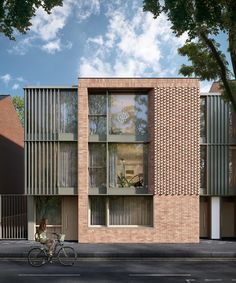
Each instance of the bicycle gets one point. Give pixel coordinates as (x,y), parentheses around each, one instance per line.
(66,255)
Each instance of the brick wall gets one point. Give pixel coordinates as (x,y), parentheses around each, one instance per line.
(176,140)
(11,149)
(10,125)
(173,162)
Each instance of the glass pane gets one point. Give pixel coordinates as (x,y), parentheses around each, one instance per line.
(128,114)
(130,211)
(97,211)
(203,166)
(68,112)
(97,126)
(50,208)
(126,165)
(97,165)
(97,104)
(203,120)
(97,177)
(232,167)
(232,125)
(68,164)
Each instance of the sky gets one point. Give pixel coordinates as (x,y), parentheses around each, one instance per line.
(96,38)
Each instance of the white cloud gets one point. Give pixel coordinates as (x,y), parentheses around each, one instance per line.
(84,9)
(15,86)
(205,86)
(47,26)
(97,40)
(6,78)
(55,46)
(52,47)
(22,46)
(12,82)
(45,32)
(95,68)
(133,45)
(20,79)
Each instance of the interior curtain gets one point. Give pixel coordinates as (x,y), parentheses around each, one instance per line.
(113,166)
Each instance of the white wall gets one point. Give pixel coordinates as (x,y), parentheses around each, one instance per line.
(215,218)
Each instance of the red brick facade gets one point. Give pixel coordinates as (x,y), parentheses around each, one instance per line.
(11,149)
(173,169)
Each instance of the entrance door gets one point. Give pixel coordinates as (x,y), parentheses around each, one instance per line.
(70,217)
(204,217)
(227,218)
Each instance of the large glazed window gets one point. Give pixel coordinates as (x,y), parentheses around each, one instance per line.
(128,114)
(130,211)
(121,211)
(118,127)
(126,165)
(68,164)
(97,165)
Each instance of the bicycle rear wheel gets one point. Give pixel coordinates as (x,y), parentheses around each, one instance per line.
(37,257)
(67,256)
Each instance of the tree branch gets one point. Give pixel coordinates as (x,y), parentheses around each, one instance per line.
(223,70)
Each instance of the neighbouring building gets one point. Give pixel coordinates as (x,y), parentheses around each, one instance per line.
(218,167)
(13,203)
(115,160)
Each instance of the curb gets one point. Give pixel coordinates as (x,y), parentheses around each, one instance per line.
(104,255)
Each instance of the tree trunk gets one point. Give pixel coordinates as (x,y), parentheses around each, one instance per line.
(222,67)
(232,48)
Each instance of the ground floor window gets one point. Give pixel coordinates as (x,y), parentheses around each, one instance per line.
(121,210)
(50,208)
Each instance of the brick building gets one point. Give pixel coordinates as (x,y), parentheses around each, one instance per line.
(121,160)
(115,160)
(13,204)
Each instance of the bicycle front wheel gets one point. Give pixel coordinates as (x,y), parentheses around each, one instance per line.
(37,257)
(67,256)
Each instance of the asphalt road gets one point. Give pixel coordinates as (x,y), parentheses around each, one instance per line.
(161,271)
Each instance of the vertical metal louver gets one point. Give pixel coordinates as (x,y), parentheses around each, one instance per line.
(220,136)
(49,113)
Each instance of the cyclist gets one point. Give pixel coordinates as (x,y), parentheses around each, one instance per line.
(42,236)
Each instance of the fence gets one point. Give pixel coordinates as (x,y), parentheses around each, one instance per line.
(13,211)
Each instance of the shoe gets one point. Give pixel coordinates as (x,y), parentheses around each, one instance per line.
(50,259)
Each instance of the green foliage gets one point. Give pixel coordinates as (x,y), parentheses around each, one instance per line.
(190,15)
(224,96)
(18,103)
(203,20)
(203,65)
(16,14)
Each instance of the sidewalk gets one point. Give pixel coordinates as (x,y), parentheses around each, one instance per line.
(205,249)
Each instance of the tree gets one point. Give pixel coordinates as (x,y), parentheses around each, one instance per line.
(203,21)
(16,14)
(18,103)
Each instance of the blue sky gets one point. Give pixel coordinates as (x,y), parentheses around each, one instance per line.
(95,38)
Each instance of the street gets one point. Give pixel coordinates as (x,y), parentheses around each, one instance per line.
(126,270)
